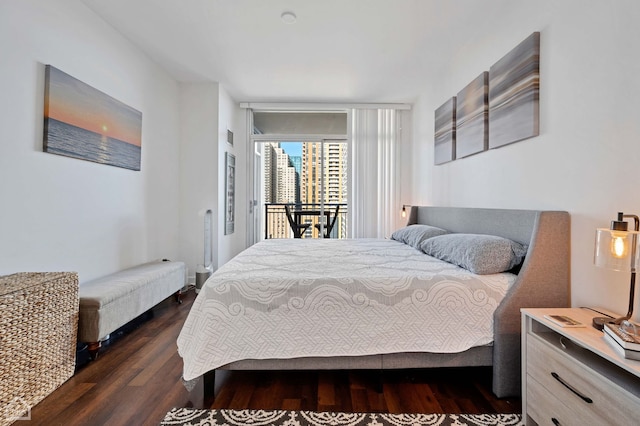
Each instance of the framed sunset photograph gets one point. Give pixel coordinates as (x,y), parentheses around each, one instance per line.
(85,123)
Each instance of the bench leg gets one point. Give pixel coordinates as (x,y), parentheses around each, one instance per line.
(93,348)
(178,296)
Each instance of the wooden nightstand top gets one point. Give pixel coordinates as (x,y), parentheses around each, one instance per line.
(587,336)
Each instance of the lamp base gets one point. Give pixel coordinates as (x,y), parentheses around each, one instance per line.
(599,322)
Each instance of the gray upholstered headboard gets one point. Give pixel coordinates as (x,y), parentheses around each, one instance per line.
(543,279)
(547,233)
(516,225)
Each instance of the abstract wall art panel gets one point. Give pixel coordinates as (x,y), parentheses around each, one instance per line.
(472,108)
(514,87)
(445,132)
(82,122)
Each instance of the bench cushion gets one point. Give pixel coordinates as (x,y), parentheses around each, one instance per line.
(110,302)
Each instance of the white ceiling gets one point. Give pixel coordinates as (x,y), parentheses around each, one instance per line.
(336,51)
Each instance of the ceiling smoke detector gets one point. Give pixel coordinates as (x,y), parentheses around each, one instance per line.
(288,17)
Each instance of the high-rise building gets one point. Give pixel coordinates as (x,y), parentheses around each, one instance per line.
(269,164)
(301,180)
(296,161)
(281,186)
(328,186)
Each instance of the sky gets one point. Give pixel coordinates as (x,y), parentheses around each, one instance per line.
(292,148)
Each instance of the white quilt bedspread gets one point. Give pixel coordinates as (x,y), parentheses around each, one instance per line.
(302,297)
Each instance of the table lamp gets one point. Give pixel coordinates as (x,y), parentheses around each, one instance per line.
(617,248)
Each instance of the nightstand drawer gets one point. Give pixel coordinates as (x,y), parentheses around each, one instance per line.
(546,409)
(577,386)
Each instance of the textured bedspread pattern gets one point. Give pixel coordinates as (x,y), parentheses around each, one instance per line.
(301,298)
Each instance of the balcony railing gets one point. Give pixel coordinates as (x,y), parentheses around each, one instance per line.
(277,224)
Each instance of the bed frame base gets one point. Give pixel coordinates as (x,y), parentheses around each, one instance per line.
(479,356)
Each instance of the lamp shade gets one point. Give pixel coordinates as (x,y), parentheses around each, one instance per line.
(616,249)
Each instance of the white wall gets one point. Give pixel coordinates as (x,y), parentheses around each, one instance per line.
(230,117)
(199,159)
(207,111)
(59,213)
(586,159)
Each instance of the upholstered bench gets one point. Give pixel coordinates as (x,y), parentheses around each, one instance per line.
(110,302)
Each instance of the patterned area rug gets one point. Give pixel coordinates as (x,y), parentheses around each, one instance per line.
(193,417)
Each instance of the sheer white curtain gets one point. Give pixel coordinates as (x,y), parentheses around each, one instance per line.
(375,155)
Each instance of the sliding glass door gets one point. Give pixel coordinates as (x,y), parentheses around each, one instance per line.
(300,173)
(300,188)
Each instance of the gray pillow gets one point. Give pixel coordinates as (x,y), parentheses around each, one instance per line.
(480,254)
(414,235)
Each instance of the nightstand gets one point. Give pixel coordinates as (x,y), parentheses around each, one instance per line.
(571,376)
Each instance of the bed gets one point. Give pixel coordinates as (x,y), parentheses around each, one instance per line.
(383,304)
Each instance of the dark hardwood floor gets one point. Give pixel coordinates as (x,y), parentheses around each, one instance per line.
(136,380)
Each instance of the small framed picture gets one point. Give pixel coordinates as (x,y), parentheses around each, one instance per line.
(564,321)
(229,208)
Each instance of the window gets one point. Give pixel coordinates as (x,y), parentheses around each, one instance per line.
(348,157)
